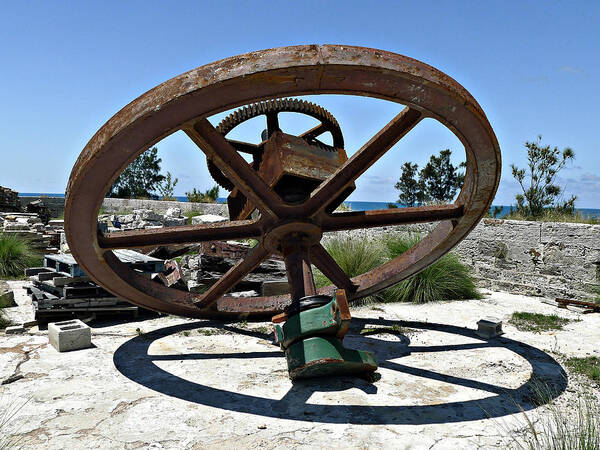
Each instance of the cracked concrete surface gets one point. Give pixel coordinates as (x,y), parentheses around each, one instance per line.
(187,384)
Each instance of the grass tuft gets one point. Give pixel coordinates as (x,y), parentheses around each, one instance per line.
(555,427)
(589,366)
(527,321)
(446,279)
(355,257)
(15,256)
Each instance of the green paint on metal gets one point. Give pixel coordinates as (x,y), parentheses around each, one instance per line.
(324,320)
(313,349)
(326,356)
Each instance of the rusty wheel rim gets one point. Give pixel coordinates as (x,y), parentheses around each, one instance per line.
(184,102)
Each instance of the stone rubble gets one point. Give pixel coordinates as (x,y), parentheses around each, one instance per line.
(42,237)
(203,269)
(149,219)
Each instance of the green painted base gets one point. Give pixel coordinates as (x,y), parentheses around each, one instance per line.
(326,356)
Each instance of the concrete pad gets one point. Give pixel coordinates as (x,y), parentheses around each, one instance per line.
(191,384)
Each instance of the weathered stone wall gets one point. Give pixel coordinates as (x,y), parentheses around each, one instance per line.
(531,258)
(114,205)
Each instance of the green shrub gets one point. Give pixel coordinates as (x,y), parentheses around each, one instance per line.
(355,257)
(210,196)
(446,279)
(15,256)
(554,215)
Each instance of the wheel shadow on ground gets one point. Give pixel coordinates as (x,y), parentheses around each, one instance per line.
(134,362)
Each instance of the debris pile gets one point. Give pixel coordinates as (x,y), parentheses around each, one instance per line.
(9,200)
(213,259)
(141,219)
(61,290)
(44,238)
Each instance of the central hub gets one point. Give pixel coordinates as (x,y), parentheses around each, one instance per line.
(291,231)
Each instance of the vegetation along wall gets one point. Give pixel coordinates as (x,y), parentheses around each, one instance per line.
(546,259)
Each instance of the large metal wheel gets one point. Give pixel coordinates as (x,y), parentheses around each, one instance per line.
(184,102)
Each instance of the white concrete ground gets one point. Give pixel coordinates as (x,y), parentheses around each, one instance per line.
(187,384)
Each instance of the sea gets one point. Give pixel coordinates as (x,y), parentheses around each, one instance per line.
(354,205)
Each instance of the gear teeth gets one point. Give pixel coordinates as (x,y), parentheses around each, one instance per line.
(276,105)
(279,105)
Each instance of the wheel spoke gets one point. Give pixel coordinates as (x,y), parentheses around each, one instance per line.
(272,123)
(180,235)
(314,132)
(382,217)
(362,160)
(245,147)
(234,167)
(330,268)
(233,276)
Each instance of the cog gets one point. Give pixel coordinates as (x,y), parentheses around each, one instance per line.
(268,107)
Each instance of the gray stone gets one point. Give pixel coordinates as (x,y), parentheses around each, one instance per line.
(173,212)
(69,335)
(127,218)
(15,226)
(147,214)
(174,221)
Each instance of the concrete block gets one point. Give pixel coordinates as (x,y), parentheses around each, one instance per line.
(69,335)
(489,327)
(15,329)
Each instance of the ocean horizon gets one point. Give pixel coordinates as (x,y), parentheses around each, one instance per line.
(355,205)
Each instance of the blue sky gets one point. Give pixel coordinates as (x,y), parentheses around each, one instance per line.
(69,66)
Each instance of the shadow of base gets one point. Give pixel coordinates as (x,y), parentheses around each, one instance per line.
(133,361)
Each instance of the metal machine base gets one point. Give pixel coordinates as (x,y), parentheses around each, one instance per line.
(312,340)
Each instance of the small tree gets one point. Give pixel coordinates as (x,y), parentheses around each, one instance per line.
(437,181)
(411,189)
(167,186)
(140,179)
(210,196)
(441,177)
(538,181)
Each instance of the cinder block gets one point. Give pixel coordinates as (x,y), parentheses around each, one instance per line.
(69,335)
(489,327)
